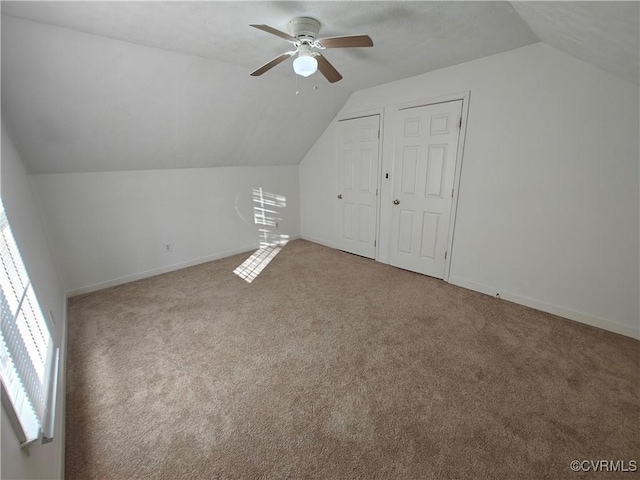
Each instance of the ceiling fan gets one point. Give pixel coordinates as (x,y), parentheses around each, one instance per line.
(304,36)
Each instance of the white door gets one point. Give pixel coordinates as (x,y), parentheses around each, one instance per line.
(424,170)
(358,184)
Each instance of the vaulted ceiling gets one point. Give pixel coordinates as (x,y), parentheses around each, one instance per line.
(104,86)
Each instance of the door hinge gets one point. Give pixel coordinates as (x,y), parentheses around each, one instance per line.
(374,243)
(378,133)
(376,192)
(460,124)
(452,193)
(445,255)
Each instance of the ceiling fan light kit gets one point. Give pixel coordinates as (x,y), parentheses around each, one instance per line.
(303,35)
(305,64)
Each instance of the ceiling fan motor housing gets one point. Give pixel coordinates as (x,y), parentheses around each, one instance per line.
(304,28)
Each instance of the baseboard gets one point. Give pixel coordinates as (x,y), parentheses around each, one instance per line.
(326,243)
(545,307)
(170,268)
(320,241)
(159,271)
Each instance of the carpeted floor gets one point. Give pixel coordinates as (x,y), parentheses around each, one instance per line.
(332,366)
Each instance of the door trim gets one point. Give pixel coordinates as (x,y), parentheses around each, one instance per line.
(464,96)
(370,113)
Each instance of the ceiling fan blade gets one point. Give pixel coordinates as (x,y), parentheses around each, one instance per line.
(273,31)
(346,41)
(269,65)
(327,69)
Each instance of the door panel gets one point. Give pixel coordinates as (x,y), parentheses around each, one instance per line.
(365,171)
(409,164)
(424,170)
(406,231)
(363,224)
(347,177)
(429,234)
(358,154)
(435,170)
(347,223)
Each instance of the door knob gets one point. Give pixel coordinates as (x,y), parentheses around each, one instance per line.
(340,196)
(396,202)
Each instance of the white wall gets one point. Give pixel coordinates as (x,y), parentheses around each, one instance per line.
(318,190)
(43,461)
(548,206)
(111,227)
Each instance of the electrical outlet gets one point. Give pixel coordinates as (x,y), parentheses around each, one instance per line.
(277,225)
(168,248)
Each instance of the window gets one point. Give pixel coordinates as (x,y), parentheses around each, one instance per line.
(26,345)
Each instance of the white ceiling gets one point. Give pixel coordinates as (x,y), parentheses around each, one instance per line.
(605,34)
(78,102)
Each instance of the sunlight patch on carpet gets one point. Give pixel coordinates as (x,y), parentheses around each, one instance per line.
(253,265)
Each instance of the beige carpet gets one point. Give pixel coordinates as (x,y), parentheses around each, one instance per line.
(332,366)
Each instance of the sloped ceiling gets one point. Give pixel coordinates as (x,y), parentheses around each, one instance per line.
(605,34)
(103,86)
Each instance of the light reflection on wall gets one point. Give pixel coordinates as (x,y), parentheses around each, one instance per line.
(266,214)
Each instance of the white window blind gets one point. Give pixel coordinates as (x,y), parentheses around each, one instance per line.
(26,345)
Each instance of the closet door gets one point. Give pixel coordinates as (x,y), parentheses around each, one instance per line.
(424,172)
(358,146)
